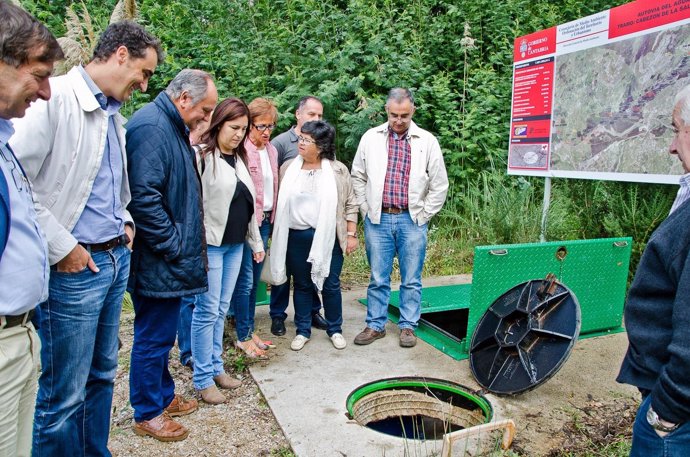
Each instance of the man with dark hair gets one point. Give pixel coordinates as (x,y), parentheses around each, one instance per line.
(169,259)
(400,183)
(309,108)
(657,319)
(72,148)
(27,53)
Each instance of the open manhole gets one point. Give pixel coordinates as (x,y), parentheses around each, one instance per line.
(417,408)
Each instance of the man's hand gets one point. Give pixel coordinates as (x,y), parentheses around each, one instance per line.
(78,259)
(259,256)
(129,231)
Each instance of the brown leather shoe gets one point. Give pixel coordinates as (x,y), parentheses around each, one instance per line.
(212,395)
(161,428)
(181,407)
(368,336)
(225,381)
(407,338)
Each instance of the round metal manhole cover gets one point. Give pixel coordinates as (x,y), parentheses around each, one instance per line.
(417,408)
(525,336)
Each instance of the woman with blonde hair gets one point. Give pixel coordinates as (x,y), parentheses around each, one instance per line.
(262,161)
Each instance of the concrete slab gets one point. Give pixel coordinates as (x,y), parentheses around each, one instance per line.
(307,390)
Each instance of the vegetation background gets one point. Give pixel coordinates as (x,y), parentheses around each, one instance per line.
(455,54)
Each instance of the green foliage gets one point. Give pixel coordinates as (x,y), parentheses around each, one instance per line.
(457,56)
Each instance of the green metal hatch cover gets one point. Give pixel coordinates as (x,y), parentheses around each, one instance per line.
(525,337)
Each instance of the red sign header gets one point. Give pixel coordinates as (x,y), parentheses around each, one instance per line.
(536,44)
(646,14)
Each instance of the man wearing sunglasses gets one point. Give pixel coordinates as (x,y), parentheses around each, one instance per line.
(27,53)
(309,108)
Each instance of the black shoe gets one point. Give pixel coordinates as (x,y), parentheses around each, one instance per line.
(317,321)
(278,326)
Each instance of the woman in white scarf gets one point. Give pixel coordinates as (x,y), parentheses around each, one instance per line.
(315,222)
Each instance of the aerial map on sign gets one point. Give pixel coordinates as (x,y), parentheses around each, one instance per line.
(593,98)
(611,109)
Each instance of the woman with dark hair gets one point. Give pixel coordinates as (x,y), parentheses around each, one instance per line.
(315,222)
(262,163)
(227,189)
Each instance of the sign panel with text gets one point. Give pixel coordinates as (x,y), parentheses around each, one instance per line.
(593,98)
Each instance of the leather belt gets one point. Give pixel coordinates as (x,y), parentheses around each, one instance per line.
(13,321)
(121,240)
(393,210)
(266,215)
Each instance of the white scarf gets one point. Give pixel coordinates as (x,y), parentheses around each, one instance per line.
(324,236)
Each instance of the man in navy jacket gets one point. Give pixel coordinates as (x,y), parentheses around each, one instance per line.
(169,254)
(657,319)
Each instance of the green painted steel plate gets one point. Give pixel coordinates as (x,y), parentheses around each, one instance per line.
(595,270)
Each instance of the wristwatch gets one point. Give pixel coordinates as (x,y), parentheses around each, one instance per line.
(658,423)
(352,234)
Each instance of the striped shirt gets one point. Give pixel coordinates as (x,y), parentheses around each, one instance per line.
(398,171)
(683,193)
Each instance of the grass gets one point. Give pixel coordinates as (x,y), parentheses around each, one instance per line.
(282,452)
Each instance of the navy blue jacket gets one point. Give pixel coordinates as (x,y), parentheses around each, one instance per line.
(657,319)
(169,256)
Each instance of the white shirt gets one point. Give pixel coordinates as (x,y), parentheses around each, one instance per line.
(305,202)
(683,192)
(267,173)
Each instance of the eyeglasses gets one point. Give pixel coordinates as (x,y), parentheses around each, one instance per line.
(304,140)
(262,127)
(18,176)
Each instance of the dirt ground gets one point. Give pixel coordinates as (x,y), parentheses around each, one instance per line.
(581,411)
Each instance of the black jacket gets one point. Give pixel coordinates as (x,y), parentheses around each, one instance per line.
(169,256)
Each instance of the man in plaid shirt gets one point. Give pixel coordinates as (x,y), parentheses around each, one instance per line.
(400,183)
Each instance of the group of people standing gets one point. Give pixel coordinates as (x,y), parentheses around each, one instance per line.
(91,209)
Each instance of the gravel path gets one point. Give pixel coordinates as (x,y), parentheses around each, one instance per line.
(244,426)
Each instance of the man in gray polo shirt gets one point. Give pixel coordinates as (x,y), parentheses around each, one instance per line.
(309,108)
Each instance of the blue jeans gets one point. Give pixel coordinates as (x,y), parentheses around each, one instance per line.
(208,320)
(79,327)
(396,234)
(244,297)
(184,328)
(299,244)
(646,443)
(280,297)
(151,388)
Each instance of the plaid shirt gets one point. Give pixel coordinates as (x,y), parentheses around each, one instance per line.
(398,171)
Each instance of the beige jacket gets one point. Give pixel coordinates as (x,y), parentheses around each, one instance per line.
(60,144)
(428,184)
(218,183)
(347,205)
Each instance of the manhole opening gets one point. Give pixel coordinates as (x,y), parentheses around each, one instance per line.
(417,408)
(452,323)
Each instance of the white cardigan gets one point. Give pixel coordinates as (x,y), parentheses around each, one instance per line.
(218,183)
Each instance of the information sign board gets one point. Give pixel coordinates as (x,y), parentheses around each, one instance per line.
(593,98)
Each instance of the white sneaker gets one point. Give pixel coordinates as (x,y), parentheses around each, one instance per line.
(338,341)
(299,342)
